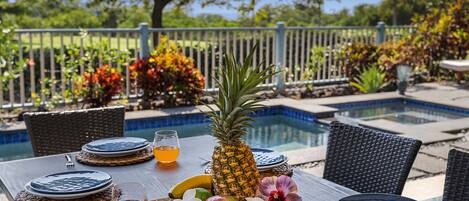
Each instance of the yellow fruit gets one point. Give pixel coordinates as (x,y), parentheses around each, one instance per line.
(198,181)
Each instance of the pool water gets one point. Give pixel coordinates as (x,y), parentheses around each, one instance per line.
(277,132)
(402,112)
(15,151)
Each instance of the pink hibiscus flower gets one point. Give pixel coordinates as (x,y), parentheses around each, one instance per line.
(281,188)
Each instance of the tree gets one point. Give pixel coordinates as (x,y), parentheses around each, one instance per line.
(109,10)
(311,8)
(158,7)
(48,13)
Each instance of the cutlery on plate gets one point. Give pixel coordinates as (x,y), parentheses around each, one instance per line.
(69,162)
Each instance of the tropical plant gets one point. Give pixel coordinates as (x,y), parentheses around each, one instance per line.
(392,54)
(355,57)
(370,80)
(100,86)
(317,58)
(234,170)
(79,65)
(169,75)
(10,64)
(54,98)
(442,34)
(78,61)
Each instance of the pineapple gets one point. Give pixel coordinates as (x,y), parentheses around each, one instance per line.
(234,170)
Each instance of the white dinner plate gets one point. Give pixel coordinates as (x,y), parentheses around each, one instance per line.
(28,189)
(116,153)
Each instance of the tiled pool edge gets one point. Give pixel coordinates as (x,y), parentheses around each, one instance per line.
(413,101)
(132,124)
(197,118)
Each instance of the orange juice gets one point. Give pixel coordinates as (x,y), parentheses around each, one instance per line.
(166,154)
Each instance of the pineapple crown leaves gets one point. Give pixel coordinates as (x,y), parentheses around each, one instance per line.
(237,96)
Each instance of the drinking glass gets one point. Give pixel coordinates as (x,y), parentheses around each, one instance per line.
(166,146)
(130,191)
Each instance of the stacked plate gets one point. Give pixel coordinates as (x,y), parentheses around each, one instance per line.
(69,185)
(267,159)
(115,147)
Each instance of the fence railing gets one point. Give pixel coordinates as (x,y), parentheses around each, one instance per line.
(294,49)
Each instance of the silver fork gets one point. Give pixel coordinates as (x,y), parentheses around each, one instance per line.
(69,162)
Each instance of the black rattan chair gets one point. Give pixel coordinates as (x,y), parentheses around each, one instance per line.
(457,176)
(61,132)
(369,161)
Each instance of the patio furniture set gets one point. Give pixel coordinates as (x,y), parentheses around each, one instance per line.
(358,160)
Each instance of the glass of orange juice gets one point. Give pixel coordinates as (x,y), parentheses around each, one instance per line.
(166,146)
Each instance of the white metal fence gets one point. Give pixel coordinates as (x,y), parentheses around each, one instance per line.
(286,47)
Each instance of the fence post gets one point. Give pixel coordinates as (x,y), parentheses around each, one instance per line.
(279,52)
(380,32)
(143,30)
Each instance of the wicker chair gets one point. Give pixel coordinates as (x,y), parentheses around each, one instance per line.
(61,132)
(368,161)
(457,176)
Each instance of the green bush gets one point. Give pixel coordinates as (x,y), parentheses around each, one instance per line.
(10,64)
(370,80)
(356,57)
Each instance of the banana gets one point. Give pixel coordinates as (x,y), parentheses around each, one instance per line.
(198,181)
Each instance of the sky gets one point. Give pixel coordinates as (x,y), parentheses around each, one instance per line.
(330,6)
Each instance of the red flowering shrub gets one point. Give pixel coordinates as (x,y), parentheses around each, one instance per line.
(168,75)
(100,86)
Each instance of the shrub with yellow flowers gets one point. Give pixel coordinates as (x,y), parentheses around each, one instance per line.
(168,75)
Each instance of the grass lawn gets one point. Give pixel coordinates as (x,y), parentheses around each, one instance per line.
(115,42)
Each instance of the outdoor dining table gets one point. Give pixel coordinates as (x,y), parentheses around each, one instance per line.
(157,179)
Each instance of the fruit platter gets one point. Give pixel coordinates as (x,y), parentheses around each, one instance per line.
(200,188)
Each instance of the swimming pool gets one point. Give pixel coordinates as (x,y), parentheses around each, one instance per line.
(279,128)
(400,110)
(275,132)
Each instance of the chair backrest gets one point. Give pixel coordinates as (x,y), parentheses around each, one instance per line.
(457,176)
(61,132)
(369,161)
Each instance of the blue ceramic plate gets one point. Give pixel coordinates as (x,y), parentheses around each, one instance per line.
(267,157)
(375,197)
(116,144)
(71,182)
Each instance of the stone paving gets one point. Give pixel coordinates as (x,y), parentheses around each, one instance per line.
(426,178)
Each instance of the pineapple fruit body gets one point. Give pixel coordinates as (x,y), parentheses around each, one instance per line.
(234,171)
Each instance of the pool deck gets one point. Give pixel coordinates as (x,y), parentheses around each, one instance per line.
(426,179)
(428,169)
